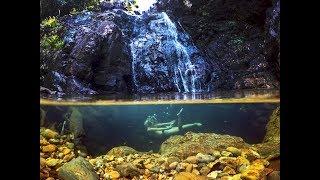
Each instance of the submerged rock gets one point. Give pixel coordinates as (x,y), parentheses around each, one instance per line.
(49,134)
(49,148)
(273,127)
(121,151)
(275,175)
(188,176)
(193,143)
(79,169)
(271,143)
(204,158)
(128,170)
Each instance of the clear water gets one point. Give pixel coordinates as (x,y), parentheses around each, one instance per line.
(114,125)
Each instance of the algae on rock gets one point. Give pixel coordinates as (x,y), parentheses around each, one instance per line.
(193,143)
(270,147)
(121,151)
(273,127)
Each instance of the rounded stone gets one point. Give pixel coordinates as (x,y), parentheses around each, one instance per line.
(173,165)
(49,148)
(192,159)
(49,134)
(189,168)
(114,174)
(51,162)
(234,151)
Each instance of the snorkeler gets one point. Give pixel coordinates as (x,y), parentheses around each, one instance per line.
(164,129)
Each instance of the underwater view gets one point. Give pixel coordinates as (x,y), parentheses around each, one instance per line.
(159,89)
(160,141)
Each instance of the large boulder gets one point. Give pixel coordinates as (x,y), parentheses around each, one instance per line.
(270,147)
(193,143)
(77,169)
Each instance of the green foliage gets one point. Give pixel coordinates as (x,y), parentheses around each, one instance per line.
(237,40)
(50,22)
(92,5)
(50,29)
(73,11)
(53,42)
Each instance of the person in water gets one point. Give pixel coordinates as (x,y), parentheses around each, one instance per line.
(169,128)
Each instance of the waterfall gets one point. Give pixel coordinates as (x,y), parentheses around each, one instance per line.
(161,56)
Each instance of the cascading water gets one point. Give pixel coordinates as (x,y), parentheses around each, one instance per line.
(103,46)
(161,56)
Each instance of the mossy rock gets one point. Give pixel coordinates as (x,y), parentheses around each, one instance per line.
(193,143)
(273,127)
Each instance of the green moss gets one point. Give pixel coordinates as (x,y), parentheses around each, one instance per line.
(53,42)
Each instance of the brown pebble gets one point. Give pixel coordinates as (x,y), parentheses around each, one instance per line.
(43,142)
(275,175)
(173,165)
(205,170)
(49,148)
(229,170)
(66,151)
(68,157)
(192,159)
(114,174)
(42,162)
(189,168)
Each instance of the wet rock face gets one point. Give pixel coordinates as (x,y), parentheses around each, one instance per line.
(233,34)
(78,168)
(193,143)
(59,7)
(94,58)
(273,37)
